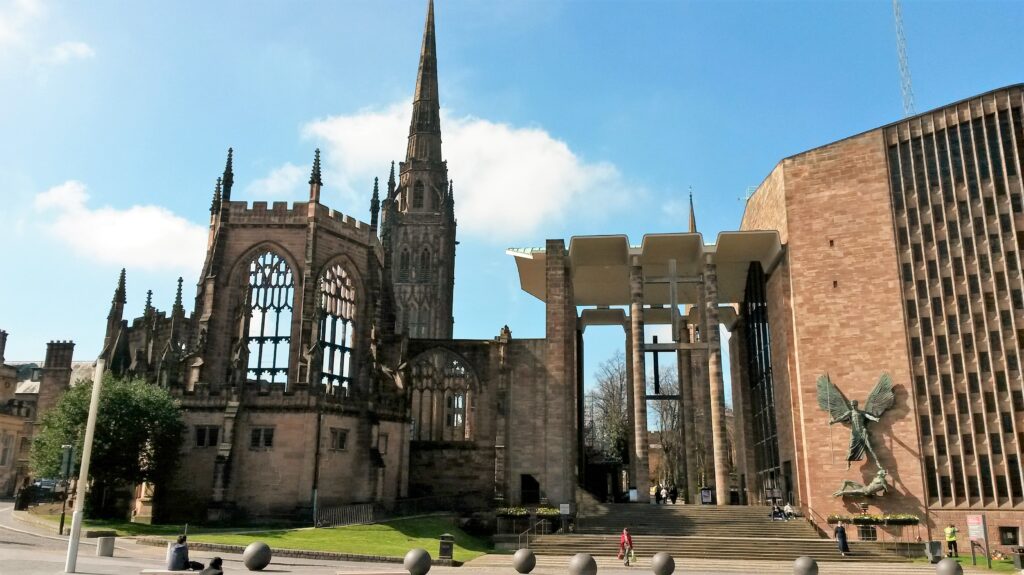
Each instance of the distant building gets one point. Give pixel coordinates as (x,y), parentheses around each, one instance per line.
(22,404)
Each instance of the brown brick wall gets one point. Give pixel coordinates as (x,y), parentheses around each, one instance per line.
(836,308)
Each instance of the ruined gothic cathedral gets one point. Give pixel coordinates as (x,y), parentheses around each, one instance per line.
(318,366)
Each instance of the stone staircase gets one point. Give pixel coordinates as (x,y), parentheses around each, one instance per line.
(703,532)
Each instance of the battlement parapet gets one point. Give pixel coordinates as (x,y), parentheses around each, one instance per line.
(260,213)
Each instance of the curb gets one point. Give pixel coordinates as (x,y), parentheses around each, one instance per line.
(295,553)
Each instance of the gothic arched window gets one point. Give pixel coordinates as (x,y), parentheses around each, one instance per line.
(338,309)
(417,195)
(441,392)
(271,290)
(423,269)
(404,266)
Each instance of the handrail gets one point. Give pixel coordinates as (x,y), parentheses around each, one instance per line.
(807,513)
(527,533)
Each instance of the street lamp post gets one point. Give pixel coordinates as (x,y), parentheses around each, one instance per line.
(83,474)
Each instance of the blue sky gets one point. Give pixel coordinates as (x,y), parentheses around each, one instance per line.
(560,119)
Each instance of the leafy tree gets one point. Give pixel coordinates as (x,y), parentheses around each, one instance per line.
(137,439)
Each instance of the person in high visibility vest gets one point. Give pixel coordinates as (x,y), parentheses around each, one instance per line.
(951,550)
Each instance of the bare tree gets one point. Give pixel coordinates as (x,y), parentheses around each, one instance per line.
(606,414)
(667,421)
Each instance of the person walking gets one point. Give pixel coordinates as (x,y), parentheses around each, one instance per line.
(664,495)
(951,533)
(657,494)
(673,494)
(840,534)
(626,547)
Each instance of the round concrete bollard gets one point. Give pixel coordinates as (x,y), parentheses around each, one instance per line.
(256,556)
(417,561)
(948,566)
(104,546)
(524,561)
(805,566)
(582,564)
(663,564)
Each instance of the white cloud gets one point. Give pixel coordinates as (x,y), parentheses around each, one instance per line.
(16,17)
(509,180)
(283,183)
(68,51)
(146,237)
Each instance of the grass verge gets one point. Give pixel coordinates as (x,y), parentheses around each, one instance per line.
(390,539)
(1000,566)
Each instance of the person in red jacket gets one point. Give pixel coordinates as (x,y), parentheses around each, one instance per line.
(625,546)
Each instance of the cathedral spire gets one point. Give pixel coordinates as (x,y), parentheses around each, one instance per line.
(425,128)
(693,218)
(374,206)
(228,177)
(149,303)
(215,205)
(315,181)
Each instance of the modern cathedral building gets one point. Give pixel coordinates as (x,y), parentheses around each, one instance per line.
(318,366)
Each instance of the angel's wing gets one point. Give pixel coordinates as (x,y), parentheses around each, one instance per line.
(831,399)
(881,397)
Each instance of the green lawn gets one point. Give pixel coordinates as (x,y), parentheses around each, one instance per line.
(1003,566)
(391,539)
(129,529)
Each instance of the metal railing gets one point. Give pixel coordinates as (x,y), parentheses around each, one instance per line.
(338,515)
(363,513)
(541,527)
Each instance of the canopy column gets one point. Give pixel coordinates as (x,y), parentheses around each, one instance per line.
(719,435)
(639,384)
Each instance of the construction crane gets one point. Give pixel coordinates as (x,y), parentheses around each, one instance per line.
(901,49)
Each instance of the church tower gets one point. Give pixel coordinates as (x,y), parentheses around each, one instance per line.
(419,215)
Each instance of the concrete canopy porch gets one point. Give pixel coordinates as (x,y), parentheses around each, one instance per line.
(605,273)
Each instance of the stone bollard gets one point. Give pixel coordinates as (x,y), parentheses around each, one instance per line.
(582,564)
(805,566)
(417,561)
(105,546)
(663,564)
(948,566)
(256,556)
(524,561)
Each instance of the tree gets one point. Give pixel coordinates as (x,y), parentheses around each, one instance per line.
(138,435)
(607,414)
(668,422)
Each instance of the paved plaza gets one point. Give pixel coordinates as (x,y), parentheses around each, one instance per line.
(26,550)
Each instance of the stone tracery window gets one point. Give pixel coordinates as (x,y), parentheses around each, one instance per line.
(417,195)
(271,292)
(404,266)
(442,392)
(338,310)
(423,269)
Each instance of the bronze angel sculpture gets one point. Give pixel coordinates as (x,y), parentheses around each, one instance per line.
(832,400)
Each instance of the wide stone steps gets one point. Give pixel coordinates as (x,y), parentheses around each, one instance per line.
(721,566)
(704,532)
(713,548)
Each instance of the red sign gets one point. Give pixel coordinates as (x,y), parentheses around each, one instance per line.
(976,528)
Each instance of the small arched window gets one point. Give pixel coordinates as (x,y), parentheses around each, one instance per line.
(404,266)
(417,195)
(338,307)
(423,269)
(271,291)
